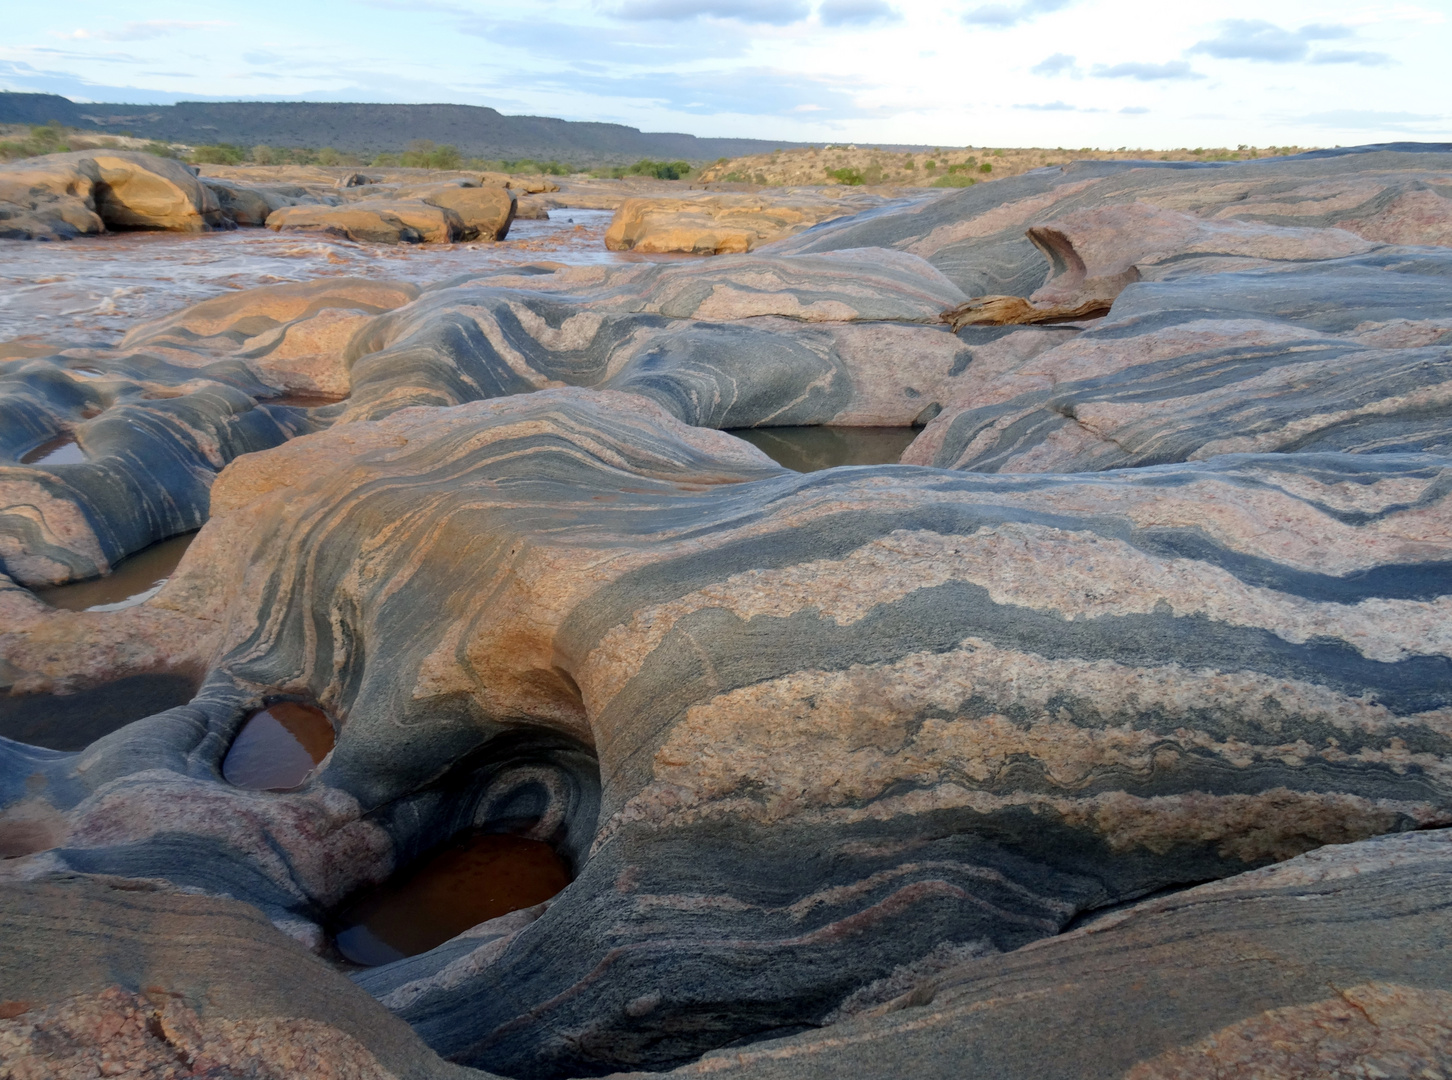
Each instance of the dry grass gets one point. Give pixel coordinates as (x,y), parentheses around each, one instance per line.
(947,167)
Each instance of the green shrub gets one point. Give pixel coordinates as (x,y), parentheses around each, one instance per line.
(986,167)
(217,154)
(424,154)
(954,180)
(851,177)
(159,149)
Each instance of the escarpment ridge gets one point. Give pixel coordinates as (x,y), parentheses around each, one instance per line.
(1105,735)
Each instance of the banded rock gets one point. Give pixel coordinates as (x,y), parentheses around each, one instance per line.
(106,977)
(1341,354)
(293,335)
(1330,965)
(976,236)
(152,437)
(845,723)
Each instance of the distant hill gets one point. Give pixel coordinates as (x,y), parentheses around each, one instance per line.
(372,129)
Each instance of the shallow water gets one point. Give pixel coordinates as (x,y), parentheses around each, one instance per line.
(809,449)
(62,450)
(278,747)
(474,878)
(135,580)
(92,290)
(74,721)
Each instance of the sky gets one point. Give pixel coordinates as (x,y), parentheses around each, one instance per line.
(1056,73)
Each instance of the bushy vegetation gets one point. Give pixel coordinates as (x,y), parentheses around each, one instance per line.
(851,177)
(48,138)
(661,170)
(520,166)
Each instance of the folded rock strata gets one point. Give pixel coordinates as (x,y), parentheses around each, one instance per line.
(1333,964)
(839,719)
(152,438)
(1347,354)
(977,236)
(851,749)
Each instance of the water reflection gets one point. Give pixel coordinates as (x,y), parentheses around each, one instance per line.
(809,449)
(472,879)
(278,747)
(62,450)
(134,580)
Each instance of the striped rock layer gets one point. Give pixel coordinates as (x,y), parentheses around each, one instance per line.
(1173,606)
(794,732)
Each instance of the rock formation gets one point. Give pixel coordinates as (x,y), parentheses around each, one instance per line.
(715,224)
(64,195)
(869,769)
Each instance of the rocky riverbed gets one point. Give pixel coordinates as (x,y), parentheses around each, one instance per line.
(1087,713)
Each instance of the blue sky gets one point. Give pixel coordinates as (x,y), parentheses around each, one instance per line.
(1108,73)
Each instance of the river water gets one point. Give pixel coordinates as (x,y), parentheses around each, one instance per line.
(92,290)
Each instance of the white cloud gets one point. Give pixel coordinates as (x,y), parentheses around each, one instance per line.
(1174,69)
(1256,39)
(140,31)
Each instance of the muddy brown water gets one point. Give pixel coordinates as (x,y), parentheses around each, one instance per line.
(91,290)
(135,580)
(810,449)
(475,877)
(278,747)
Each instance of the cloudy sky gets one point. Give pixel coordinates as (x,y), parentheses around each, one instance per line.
(1071,73)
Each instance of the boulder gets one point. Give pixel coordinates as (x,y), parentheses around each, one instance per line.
(62,195)
(799,737)
(380,221)
(485,211)
(716,224)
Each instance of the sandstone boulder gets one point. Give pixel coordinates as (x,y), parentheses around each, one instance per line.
(380,221)
(485,211)
(62,195)
(716,224)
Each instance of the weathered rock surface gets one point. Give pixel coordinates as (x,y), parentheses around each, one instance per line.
(858,749)
(63,195)
(1331,965)
(976,235)
(485,211)
(853,339)
(840,720)
(152,437)
(716,224)
(111,978)
(294,336)
(1347,354)
(381,221)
